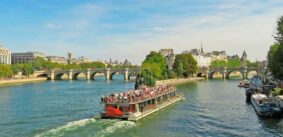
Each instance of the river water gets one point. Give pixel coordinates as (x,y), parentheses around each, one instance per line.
(65,108)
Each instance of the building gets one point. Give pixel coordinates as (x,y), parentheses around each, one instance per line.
(81,60)
(57,59)
(244,56)
(5,56)
(203,59)
(218,55)
(26,57)
(236,57)
(169,55)
(127,63)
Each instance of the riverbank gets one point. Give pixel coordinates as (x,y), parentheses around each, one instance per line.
(18,81)
(177,81)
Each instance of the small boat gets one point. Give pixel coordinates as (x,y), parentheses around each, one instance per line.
(264,106)
(136,104)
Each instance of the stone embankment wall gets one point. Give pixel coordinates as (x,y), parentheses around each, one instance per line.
(176,81)
(26,80)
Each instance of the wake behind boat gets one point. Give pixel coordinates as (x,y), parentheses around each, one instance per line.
(136,104)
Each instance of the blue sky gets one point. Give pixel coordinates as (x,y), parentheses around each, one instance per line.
(103,29)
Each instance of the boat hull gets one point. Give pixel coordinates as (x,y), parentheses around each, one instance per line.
(264,112)
(139,115)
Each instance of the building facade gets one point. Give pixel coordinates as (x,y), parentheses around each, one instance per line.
(5,56)
(81,60)
(203,59)
(26,57)
(169,55)
(57,59)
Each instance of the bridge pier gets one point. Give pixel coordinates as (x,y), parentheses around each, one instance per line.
(224,73)
(52,75)
(71,74)
(88,74)
(108,74)
(126,74)
(245,73)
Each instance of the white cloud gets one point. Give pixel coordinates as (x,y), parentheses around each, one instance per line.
(234,27)
(51,26)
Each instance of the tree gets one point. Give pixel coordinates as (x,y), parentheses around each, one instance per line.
(279,31)
(5,71)
(145,77)
(178,68)
(275,54)
(156,64)
(270,56)
(234,63)
(185,65)
(39,63)
(171,74)
(218,63)
(27,69)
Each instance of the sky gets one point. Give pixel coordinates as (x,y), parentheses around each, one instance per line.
(130,29)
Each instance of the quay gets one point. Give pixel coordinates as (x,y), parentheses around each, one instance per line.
(23,80)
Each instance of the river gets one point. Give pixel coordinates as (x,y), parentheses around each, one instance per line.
(65,108)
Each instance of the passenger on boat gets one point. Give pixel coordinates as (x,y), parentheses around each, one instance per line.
(136,95)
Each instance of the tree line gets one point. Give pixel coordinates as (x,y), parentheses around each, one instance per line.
(155,67)
(233,63)
(275,54)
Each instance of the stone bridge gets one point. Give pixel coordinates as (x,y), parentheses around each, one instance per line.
(225,72)
(89,73)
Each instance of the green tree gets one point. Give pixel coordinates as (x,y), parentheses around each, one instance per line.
(5,71)
(219,63)
(234,63)
(185,65)
(145,77)
(178,68)
(275,54)
(27,70)
(39,63)
(270,56)
(171,74)
(156,64)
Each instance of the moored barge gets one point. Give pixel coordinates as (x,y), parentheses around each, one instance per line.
(136,104)
(264,106)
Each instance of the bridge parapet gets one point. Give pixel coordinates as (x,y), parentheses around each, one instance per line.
(90,73)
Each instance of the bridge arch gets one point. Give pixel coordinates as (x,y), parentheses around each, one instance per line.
(228,74)
(214,72)
(44,75)
(59,76)
(201,74)
(251,73)
(93,74)
(76,75)
(132,74)
(115,72)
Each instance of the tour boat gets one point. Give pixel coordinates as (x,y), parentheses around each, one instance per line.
(136,104)
(264,106)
